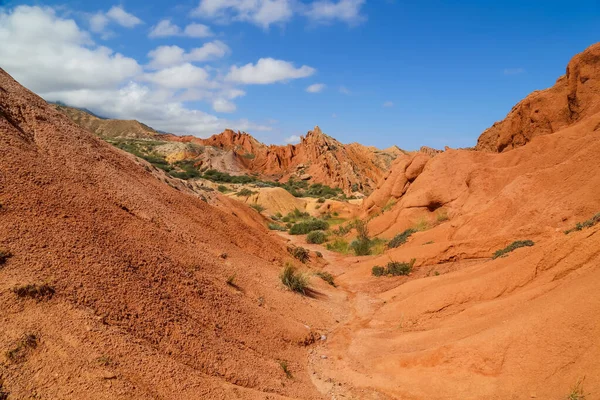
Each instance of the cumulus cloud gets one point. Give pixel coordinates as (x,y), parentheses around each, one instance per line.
(266,71)
(140,102)
(180,77)
(292,139)
(348,11)
(122,17)
(53,57)
(259,12)
(388,104)
(165,56)
(315,88)
(197,31)
(223,106)
(48,53)
(165,28)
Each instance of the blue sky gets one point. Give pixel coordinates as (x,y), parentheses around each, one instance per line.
(383,72)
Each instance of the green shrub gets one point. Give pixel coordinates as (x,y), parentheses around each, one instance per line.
(26,344)
(34,291)
(222,189)
(401,238)
(396,268)
(319,254)
(257,207)
(316,237)
(585,224)
(511,247)
(321,200)
(4,255)
(294,280)
(277,227)
(249,156)
(299,253)
(339,245)
(245,193)
(361,247)
(302,228)
(218,176)
(327,277)
(284,367)
(442,216)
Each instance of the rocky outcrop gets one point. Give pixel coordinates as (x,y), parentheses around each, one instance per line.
(572,98)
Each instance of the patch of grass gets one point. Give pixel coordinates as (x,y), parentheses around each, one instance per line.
(299,253)
(222,189)
(315,237)
(378,246)
(231,280)
(394,268)
(245,192)
(339,245)
(34,291)
(277,227)
(321,200)
(302,228)
(390,204)
(442,216)
(585,224)
(105,361)
(4,255)
(249,156)
(284,367)
(327,277)
(577,392)
(401,238)
(512,247)
(422,224)
(218,176)
(319,254)
(257,207)
(294,280)
(362,244)
(27,342)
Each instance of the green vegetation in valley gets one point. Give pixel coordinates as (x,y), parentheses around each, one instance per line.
(294,280)
(394,268)
(512,247)
(585,224)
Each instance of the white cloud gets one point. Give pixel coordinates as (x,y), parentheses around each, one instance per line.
(388,104)
(209,51)
(198,31)
(265,13)
(98,22)
(164,29)
(292,139)
(348,11)
(514,71)
(165,56)
(315,88)
(266,71)
(345,90)
(53,57)
(143,104)
(180,77)
(223,106)
(259,12)
(47,53)
(122,17)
